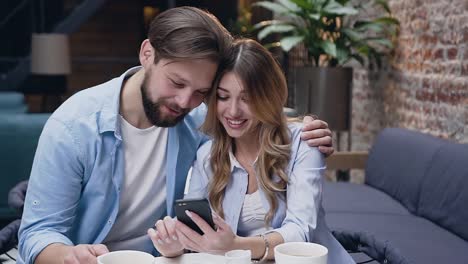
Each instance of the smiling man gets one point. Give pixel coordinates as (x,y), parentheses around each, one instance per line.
(113,158)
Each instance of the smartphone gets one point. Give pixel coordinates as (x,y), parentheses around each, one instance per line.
(199,206)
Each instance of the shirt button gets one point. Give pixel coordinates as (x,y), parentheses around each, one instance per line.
(109,222)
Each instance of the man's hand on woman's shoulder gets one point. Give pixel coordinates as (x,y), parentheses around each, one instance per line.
(317,134)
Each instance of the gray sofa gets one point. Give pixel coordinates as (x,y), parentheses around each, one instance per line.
(415,197)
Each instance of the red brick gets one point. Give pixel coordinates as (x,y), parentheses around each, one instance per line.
(420,13)
(464,71)
(452,38)
(419,25)
(426,82)
(426,54)
(465,36)
(438,54)
(452,53)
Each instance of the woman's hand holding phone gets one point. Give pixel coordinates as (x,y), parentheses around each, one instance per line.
(212,241)
(165,238)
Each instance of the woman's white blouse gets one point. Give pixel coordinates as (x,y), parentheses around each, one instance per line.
(299,216)
(252,216)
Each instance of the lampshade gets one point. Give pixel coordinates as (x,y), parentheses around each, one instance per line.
(50,54)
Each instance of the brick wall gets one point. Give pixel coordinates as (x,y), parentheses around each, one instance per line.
(425,86)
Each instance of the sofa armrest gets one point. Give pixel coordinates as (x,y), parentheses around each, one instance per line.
(344,160)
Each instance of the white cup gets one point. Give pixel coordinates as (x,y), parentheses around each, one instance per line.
(238,256)
(300,253)
(126,257)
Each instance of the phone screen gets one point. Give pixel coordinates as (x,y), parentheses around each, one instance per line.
(199,206)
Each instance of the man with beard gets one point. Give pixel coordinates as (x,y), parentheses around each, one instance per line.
(113,158)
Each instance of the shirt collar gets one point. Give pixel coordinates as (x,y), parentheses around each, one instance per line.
(235,163)
(109,120)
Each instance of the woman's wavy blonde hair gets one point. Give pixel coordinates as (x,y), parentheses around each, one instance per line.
(265,85)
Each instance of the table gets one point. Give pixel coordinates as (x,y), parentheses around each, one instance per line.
(195,258)
(190,258)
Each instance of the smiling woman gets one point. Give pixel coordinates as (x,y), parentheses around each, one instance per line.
(233,108)
(262,181)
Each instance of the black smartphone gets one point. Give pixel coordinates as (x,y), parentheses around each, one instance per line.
(199,206)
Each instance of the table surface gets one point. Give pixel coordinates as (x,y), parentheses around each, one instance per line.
(191,258)
(194,258)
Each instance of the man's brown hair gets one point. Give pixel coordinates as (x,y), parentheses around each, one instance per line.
(188,33)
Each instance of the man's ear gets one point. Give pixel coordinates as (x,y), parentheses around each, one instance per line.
(146,54)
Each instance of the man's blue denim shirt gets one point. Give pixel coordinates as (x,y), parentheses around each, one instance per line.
(73,193)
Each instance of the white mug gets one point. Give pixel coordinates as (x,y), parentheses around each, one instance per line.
(238,256)
(300,253)
(126,257)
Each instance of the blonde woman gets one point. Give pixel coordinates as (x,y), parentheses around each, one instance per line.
(262,181)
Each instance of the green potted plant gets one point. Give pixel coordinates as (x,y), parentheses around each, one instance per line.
(331,36)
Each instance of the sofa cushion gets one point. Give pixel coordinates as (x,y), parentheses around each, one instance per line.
(19,134)
(398,162)
(12,102)
(444,192)
(350,197)
(11,99)
(417,239)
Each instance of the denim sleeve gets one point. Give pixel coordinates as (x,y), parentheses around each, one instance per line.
(304,195)
(198,184)
(53,192)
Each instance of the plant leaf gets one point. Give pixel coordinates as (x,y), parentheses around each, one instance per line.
(274,7)
(314,16)
(376,56)
(272,45)
(274,29)
(384,4)
(288,43)
(359,58)
(268,23)
(342,55)
(289,5)
(368,25)
(364,50)
(382,41)
(387,20)
(318,3)
(304,4)
(334,7)
(353,35)
(329,48)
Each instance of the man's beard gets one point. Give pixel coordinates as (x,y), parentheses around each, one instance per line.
(153,110)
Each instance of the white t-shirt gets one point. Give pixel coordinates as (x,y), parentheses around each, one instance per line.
(252,216)
(143,193)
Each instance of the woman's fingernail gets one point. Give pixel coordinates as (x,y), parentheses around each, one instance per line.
(160,241)
(174,237)
(168,240)
(188,213)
